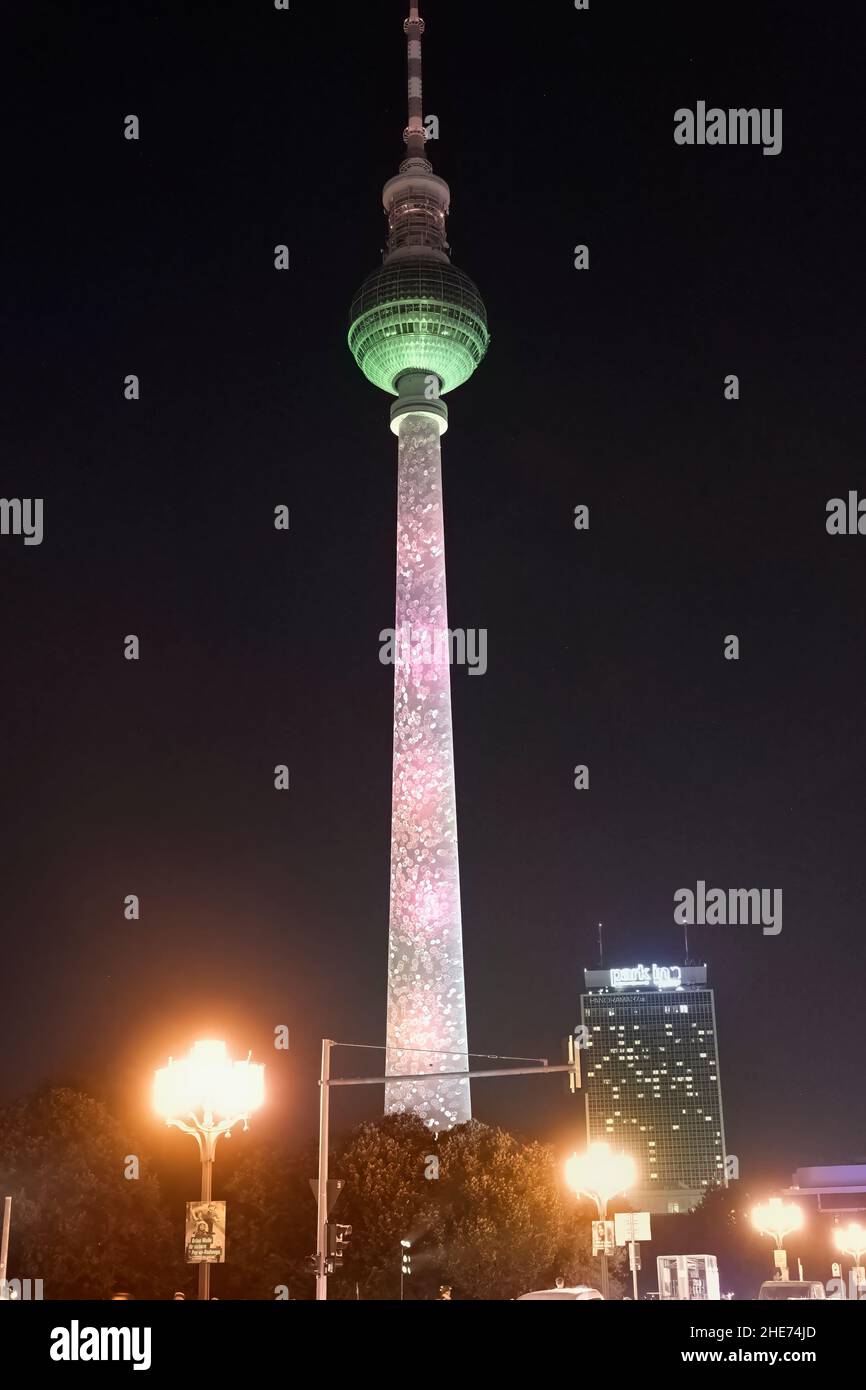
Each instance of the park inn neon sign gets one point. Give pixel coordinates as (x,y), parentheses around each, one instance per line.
(662,976)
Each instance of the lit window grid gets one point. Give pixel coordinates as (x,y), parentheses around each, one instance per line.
(652,1083)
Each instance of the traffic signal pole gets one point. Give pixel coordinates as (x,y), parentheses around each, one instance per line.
(326,1081)
(4,1243)
(322,1189)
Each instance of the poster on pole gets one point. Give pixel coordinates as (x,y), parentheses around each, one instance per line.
(603,1238)
(205,1239)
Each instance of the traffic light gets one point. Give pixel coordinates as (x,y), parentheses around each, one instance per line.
(338,1243)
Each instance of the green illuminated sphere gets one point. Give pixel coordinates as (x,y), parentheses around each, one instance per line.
(418,315)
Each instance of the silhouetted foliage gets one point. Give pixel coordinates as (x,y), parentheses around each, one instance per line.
(77,1223)
(495,1223)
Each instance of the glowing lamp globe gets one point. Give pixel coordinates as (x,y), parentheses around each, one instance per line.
(600,1173)
(777,1218)
(208,1088)
(850,1239)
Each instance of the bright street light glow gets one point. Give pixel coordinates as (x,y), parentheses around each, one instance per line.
(851,1240)
(208,1091)
(777,1218)
(600,1173)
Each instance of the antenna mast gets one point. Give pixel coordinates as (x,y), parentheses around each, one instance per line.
(415,136)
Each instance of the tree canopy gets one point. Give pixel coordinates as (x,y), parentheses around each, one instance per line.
(78,1223)
(485,1211)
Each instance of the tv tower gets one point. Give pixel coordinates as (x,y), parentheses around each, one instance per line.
(419,330)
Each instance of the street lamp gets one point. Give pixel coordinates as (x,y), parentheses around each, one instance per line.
(851,1240)
(206,1095)
(778,1219)
(600,1174)
(405,1262)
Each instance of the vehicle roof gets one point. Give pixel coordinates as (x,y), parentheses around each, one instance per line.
(789,1283)
(571,1293)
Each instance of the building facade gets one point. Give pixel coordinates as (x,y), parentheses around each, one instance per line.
(651,1079)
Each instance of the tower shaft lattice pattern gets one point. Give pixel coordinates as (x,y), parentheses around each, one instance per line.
(426,1000)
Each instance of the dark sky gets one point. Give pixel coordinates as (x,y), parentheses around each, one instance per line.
(258,648)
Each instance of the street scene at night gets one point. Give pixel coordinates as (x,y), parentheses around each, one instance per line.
(434,648)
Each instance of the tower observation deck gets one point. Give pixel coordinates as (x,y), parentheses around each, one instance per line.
(417,312)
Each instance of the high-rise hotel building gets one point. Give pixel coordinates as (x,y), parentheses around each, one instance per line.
(651,1079)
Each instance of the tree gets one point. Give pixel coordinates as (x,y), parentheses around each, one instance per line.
(78,1223)
(496,1223)
(505,1223)
(272,1213)
(382,1165)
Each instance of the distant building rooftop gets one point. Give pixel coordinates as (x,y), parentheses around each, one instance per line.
(646,977)
(838,1186)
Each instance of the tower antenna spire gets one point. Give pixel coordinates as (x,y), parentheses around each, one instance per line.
(415,136)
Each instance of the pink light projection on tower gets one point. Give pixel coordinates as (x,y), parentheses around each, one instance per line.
(419,330)
(426,999)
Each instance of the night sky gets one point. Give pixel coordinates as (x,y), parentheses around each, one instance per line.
(606,647)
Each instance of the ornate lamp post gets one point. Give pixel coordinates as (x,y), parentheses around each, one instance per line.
(778,1219)
(600,1174)
(206,1095)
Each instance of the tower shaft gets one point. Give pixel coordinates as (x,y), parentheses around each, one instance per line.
(419,330)
(426,999)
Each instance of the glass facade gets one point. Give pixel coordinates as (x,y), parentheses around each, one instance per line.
(651,1082)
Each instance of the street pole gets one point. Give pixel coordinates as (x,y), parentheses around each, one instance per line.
(322,1193)
(633,1263)
(4,1242)
(605,1279)
(207,1145)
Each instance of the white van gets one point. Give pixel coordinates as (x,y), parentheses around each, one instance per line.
(791,1288)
